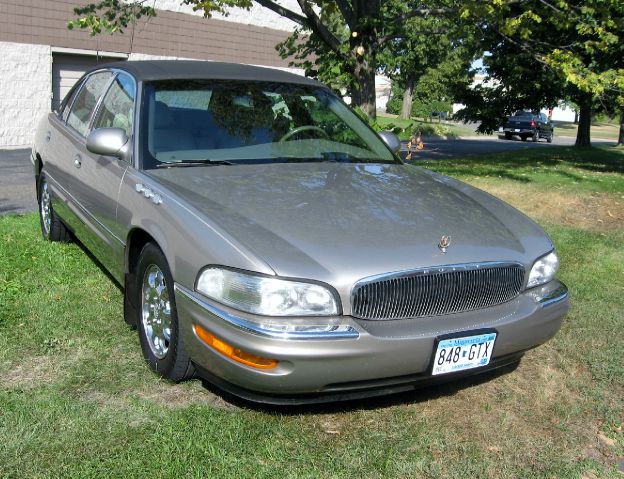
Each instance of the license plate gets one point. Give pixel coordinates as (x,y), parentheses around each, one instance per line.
(516,129)
(459,354)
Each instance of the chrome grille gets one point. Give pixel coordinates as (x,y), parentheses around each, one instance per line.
(436,291)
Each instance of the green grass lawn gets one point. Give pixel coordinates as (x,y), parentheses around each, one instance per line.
(77,401)
(608,131)
(599,130)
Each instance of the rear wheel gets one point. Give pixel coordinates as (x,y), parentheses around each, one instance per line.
(507,135)
(157,320)
(550,138)
(523,137)
(536,136)
(52,228)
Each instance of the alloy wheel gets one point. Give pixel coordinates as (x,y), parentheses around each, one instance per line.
(156,311)
(45,209)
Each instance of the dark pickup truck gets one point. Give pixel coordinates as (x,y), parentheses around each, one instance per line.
(529,125)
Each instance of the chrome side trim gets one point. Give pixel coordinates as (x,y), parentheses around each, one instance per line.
(338,331)
(556,295)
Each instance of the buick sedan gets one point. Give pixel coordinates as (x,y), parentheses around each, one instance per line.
(268,241)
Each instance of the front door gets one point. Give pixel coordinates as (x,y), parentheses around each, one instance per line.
(101,176)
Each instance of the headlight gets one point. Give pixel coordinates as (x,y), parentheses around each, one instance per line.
(264,295)
(543,270)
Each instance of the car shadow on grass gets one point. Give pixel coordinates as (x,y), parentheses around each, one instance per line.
(420,394)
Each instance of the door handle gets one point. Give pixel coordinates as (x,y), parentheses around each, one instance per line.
(77,161)
(48,136)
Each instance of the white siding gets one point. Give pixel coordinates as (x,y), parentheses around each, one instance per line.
(25,91)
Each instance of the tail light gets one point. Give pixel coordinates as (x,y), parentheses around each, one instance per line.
(532,123)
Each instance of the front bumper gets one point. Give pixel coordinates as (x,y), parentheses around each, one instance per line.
(381,357)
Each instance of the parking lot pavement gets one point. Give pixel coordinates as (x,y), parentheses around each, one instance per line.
(17,185)
(441,149)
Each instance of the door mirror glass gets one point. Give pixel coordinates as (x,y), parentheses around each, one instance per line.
(108,142)
(391,140)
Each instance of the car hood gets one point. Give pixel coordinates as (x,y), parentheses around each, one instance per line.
(338,222)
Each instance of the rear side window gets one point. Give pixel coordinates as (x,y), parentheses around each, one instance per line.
(117,108)
(86,100)
(68,101)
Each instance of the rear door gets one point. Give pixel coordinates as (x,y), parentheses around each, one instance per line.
(66,144)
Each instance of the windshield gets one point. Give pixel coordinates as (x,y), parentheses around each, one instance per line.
(188,122)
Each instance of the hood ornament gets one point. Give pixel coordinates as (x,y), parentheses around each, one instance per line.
(444,243)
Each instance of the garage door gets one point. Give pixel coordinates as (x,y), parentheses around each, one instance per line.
(67,70)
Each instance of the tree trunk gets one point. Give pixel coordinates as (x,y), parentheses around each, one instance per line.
(365,96)
(364,67)
(621,135)
(583,131)
(576,117)
(406,109)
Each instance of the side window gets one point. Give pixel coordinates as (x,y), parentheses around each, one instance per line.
(85,101)
(116,110)
(68,101)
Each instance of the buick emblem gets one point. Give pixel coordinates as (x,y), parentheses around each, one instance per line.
(444,243)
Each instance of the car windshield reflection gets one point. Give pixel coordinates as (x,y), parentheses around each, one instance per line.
(193,122)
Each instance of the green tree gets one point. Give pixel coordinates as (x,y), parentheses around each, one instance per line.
(346,34)
(579,41)
(514,82)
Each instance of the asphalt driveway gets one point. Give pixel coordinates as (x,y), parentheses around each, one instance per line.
(441,149)
(17,188)
(17,184)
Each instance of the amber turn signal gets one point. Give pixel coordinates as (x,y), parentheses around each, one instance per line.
(233,353)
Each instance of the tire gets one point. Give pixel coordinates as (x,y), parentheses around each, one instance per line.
(507,135)
(550,138)
(523,138)
(536,136)
(52,228)
(157,320)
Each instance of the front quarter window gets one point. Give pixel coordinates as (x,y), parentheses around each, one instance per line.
(116,110)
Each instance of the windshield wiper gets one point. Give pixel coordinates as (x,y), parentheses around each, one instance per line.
(193,163)
(344,157)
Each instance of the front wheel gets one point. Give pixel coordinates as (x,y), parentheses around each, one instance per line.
(157,322)
(550,138)
(52,228)
(507,135)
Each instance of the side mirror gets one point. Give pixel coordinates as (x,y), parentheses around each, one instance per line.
(108,142)
(391,140)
